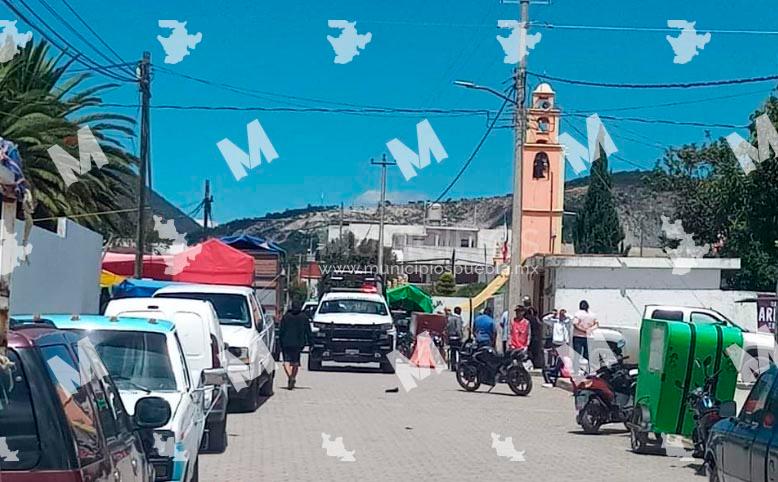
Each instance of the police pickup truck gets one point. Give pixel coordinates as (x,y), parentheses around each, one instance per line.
(352,325)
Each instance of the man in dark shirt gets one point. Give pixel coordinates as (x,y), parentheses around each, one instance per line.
(294,334)
(536,340)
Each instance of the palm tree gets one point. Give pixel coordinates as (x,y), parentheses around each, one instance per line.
(40,108)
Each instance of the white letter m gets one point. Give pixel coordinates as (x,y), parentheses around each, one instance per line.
(237,159)
(88,150)
(428,143)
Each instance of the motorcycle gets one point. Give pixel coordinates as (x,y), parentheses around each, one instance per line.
(405,343)
(608,396)
(706,410)
(482,365)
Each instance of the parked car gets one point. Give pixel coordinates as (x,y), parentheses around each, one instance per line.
(62,418)
(309,308)
(201,339)
(745,448)
(249,334)
(144,357)
(352,326)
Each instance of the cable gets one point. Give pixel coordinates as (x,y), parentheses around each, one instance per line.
(475,151)
(648,121)
(89,27)
(670,104)
(78,34)
(91,63)
(375,110)
(677,85)
(551,26)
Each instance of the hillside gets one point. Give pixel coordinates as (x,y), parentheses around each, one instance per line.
(295,228)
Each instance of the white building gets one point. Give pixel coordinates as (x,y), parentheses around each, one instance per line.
(425,251)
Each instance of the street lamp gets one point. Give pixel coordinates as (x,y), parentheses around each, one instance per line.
(472,85)
(514,282)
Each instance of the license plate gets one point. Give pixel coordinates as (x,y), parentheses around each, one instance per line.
(352,351)
(580,401)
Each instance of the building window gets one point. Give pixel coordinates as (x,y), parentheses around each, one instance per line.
(544,125)
(540,166)
(464,243)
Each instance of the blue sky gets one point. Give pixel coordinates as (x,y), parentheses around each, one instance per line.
(417,50)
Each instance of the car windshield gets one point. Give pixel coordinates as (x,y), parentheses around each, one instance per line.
(353,306)
(136,360)
(232,309)
(18,428)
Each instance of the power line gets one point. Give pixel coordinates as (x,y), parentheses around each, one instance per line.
(475,151)
(78,34)
(335,110)
(670,104)
(551,26)
(642,120)
(76,57)
(676,85)
(89,27)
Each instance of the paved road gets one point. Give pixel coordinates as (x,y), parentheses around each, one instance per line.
(434,432)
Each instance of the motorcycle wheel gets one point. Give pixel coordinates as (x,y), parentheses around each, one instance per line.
(590,417)
(638,440)
(467,377)
(520,381)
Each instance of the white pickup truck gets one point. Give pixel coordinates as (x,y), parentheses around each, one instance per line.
(759,346)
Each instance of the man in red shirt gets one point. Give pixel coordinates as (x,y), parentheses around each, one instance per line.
(520,330)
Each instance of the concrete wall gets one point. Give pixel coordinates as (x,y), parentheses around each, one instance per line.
(63,274)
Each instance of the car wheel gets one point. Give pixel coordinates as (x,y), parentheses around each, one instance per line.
(267,387)
(314,363)
(251,400)
(217,437)
(196,471)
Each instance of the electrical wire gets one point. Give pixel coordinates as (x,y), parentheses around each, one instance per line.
(89,27)
(551,26)
(78,34)
(475,151)
(675,85)
(372,110)
(78,57)
(669,104)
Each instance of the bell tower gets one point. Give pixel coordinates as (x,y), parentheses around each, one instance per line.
(543,176)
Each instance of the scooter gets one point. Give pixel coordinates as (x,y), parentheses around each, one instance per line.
(608,396)
(482,365)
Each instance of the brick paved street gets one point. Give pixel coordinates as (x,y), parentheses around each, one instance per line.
(434,432)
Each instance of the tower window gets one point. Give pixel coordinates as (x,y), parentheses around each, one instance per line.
(540,166)
(544,125)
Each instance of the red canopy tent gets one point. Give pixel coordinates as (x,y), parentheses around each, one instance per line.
(214,262)
(210,262)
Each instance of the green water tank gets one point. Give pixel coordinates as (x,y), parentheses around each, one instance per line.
(668,372)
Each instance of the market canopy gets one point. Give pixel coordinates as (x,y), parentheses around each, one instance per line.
(109,279)
(246,241)
(210,262)
(410,298)
(139,288)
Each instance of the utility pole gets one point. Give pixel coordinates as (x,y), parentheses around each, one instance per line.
(381,207)
(514,282)
(207,201)
(144,85)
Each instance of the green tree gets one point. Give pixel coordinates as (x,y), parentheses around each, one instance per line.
(446,285)
(597,227)
(725,207)
(40,108)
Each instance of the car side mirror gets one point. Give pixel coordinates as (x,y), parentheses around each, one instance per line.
(151,412)
(728,409)
(213,377)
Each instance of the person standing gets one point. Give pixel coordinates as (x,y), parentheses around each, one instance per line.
(505,330)
(536,341)
(293,335)
(584,322)
(485,329)
(520,329)
(454,327)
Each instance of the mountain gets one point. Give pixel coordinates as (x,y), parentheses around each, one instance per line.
(295,229)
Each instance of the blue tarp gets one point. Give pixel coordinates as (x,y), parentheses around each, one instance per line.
(245,241)
(139,288)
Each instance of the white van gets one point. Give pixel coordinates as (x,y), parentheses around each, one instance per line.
(250,336)
(201,339)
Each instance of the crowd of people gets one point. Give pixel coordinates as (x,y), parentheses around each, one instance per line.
(527,330)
